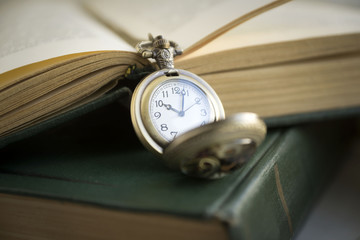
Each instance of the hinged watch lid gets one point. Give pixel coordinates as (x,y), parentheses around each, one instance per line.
(216,149)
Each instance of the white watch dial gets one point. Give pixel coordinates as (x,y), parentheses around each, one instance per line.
(177,106)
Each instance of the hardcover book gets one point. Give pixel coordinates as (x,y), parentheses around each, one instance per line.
(91,179)
(277,60)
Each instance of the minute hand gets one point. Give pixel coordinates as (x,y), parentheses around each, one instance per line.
(182,100)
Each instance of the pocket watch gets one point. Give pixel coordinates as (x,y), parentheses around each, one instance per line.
(177,115)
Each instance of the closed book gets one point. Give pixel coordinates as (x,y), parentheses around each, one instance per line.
(91,179)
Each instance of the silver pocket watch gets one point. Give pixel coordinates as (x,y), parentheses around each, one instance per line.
(177,115)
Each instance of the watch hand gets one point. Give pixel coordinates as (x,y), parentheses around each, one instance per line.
(197,101)
(182,112)
(182,99)
(169,107)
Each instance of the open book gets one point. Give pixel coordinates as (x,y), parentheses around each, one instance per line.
(300,57)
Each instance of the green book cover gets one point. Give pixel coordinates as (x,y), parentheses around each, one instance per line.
(91,179)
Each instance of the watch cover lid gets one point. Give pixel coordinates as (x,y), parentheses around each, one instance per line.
(216,149)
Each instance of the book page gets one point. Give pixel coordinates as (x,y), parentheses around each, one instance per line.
(299,19)
(185,22)
(33,31)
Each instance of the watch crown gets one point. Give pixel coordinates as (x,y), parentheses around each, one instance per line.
(160,49)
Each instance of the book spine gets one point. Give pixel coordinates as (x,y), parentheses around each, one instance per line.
(275,198)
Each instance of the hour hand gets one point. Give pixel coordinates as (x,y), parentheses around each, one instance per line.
(169,107)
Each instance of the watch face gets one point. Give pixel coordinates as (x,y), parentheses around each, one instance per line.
(164,106)
(177,106)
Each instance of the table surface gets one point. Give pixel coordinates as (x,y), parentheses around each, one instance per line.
(336,214)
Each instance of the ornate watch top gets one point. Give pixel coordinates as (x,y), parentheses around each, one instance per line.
(160,49)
